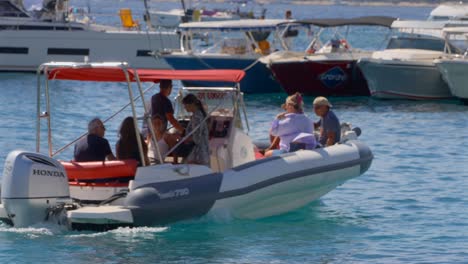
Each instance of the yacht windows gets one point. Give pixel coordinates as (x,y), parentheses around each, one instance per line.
(144,53)
(14,50)
(37,27)
(63,51)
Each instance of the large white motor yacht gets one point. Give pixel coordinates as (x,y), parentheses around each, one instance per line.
(29,38)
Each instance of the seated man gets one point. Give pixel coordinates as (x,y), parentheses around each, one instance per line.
(329,125)
(93,147)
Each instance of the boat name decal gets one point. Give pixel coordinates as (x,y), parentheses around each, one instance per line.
(210,95)
(175,193)
(333,77)
(48,173)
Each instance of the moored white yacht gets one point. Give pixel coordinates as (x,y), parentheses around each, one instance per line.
(455,11)
(28,39)
(406,69)
(454,70)
(239,181)
(404,74)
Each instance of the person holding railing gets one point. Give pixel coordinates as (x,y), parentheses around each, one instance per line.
(162,107)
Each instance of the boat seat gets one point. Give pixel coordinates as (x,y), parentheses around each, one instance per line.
(100,170)
(127,19)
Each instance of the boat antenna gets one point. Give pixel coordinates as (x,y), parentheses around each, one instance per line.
(185,18)
(183,6)
(88,6)
(147,16)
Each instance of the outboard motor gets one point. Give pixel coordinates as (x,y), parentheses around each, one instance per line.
(32,186)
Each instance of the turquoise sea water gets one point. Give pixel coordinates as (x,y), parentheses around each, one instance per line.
(410,207)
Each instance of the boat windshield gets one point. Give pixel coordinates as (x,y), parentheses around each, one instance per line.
(215,100)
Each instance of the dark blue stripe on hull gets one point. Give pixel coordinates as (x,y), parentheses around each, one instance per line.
(166,202)
(258,78)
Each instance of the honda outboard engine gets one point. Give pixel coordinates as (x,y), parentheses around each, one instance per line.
(32,186)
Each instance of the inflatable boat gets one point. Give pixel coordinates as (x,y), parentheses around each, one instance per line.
(239,182)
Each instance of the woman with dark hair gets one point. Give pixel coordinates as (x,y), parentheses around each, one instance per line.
(127,145)
(200,153)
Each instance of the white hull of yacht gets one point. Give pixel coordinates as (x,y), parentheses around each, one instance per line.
(25,50)
(404,77)
(455,73)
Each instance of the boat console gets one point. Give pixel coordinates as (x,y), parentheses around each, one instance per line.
(220,131)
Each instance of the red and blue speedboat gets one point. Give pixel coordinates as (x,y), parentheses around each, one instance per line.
(325,68)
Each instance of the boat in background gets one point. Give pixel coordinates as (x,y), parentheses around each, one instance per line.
(239,182)
(195,12)
(454,69)
(325,69)
(406,69)
(235,44)
(174,17)
(55,33)
(404,74)
(455,11)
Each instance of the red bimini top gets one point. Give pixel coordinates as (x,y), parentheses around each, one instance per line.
(116,74)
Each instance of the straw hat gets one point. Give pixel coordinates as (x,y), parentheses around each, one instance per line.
(321,101)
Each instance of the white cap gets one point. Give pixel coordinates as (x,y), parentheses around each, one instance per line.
(322,101)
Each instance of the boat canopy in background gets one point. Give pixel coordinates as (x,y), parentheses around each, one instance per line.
(235,25)
(383,21)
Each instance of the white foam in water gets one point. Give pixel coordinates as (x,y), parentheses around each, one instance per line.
(125,231)
(42,229)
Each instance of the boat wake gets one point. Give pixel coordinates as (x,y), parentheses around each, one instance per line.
(37,230)
(124,231)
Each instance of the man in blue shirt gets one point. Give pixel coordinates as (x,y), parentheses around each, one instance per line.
(93,147)
(329,125)
(161,106)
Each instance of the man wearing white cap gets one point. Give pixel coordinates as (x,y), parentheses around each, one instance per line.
(330,130)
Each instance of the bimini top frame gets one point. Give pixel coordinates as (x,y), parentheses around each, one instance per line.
(117,72)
